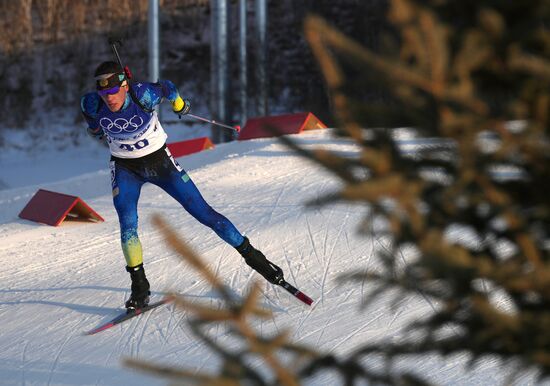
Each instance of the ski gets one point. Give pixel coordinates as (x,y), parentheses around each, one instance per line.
(126,316)
(296,292)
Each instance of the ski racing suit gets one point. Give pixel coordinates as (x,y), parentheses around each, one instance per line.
(139,154)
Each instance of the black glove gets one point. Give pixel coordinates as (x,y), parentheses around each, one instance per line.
(98,135)
(95,134)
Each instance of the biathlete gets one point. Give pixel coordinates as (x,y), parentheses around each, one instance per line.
(123,115)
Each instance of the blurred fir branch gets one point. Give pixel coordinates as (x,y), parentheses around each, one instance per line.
(235,315)
(474,77)
(464,72)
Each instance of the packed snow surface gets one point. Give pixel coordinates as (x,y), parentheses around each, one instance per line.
(58,282)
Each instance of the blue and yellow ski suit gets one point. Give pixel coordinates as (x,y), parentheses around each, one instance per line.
(139,154)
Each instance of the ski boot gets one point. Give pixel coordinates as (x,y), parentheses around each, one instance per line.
(140,289)
(259,263)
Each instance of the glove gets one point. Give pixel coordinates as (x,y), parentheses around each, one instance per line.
(95,133)
(181,106)
(98,135)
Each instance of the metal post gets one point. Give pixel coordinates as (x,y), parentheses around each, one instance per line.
(261,31)
(243,83)
(153,41)
(219,64)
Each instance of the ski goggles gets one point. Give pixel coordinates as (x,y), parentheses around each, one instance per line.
(109,84)
(109,91)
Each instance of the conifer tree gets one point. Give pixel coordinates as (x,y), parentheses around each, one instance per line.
(474,77)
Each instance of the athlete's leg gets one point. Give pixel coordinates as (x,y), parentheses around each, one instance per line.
(126,190)
(171,177)
(184,190)
(177,183)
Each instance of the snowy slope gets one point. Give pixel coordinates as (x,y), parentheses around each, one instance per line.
(56,283)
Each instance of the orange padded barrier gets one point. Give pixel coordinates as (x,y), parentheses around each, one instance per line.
(52,208)
(285,124)
(179,149)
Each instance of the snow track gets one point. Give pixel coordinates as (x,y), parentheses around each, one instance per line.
(57,283)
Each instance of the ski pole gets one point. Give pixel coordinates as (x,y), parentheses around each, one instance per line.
(113,43)
(235,128)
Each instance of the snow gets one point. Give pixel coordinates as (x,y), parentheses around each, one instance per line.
(26,162)
(58,282)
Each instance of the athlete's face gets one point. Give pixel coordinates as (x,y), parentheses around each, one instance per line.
(116,101)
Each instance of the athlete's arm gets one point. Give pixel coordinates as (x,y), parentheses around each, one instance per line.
(89,105)
(179,106)
(152,94)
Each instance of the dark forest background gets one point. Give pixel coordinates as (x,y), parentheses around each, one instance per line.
(50,48)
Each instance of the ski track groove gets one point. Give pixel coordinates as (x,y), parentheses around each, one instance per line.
(58,355)
(344,301)
(323,329)
(132,333)
(312,241)
(394,317)
(176,324)
(422,294)
(275,324)
(348,295)
(318,329)
(290,270)
(105,301)
(73,331)
(145,326)
(295,281)
(203,362)
(271,302)
(362,288)
(327,264)
(367,263)
(172,324)
(178,321)
(24,363)
(220,260)
(303,319)
(355,332)
(275,207)
(117,345)
(327,231)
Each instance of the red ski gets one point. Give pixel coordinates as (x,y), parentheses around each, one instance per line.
(296,292)
(122,318)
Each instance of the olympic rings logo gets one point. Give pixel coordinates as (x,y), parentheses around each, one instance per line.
(121,124)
